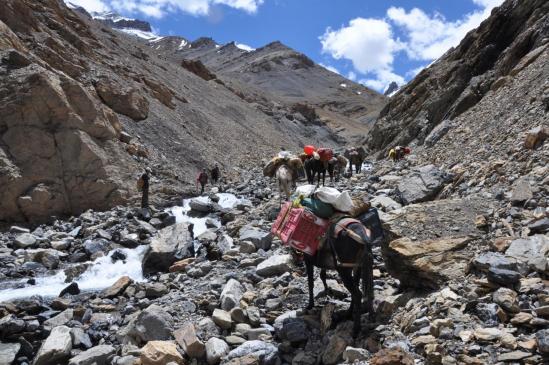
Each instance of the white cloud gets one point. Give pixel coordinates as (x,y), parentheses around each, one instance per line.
(330,68)
(382,80)
(90,5)
(351,76)
(430,36)
(160,8)
(371,46)
(368,43)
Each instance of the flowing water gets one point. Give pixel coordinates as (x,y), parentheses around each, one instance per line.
(103,272)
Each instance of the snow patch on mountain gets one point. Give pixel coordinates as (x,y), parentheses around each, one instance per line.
(148,36)
(245,47)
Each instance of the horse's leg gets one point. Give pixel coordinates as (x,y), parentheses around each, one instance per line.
(323,278)
(310,280)
(368,281)
(351,281)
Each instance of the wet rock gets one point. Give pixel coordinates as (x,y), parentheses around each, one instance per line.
(8,352)
(201,206)
(24,241)
(56,348)
(118,287)
(231,294)
(261,239)
(11,325)
(428,263)
(95,247)
(98,355)
(422,184)
(169,244)
(72,289)
(160,353)
(60,319)
(274,265)
(188,340)
(215,350)
(392,356)
(225,243)
(222,318)
(506,299)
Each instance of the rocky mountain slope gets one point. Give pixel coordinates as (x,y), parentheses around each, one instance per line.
(495,77)
(99,105)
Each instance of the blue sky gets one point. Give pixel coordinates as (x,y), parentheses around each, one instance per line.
(372,42)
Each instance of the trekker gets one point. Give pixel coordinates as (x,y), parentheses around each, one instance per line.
(215,174)
(398,153)
(202,178)
(143,185)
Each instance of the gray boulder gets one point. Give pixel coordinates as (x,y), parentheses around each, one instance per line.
(98,355)
(172,243)
(231,295)
(533,251)
(56,348)
(198,205)
(215,350)
(261,239)
(542,338)
(274,265)
(255,348)
(25,240)
(151,324)
(438,132)
(8,352)
(521,192)
(422,184)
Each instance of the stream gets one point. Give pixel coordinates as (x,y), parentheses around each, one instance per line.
(104,271)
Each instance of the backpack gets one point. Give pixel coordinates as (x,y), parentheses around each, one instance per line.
(371,220)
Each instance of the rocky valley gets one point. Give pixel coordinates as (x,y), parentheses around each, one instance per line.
(87,277)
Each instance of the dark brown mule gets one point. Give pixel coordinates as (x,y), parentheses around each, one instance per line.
(348,250)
